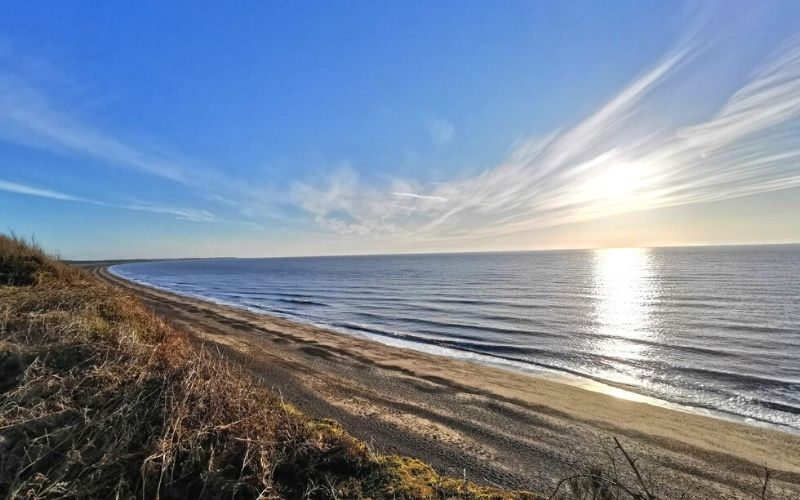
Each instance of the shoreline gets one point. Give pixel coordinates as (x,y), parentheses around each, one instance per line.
(519,367)
(499,425)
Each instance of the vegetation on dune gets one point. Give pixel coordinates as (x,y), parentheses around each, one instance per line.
(99,398)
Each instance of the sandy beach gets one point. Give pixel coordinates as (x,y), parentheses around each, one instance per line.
(492,425)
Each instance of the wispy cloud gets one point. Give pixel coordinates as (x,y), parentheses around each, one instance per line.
(14,187)
(31,117)
(440,131)
(27,116)
(419,196)
(617,160)
(620,159)
(188,214)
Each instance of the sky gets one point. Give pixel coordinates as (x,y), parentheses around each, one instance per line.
(188,129)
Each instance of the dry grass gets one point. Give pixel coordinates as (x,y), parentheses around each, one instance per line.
(99,398)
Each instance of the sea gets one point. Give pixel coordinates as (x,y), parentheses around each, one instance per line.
(709,329)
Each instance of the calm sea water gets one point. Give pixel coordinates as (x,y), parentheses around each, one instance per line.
(714,328)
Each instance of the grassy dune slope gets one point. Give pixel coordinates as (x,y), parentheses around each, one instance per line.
(99,398)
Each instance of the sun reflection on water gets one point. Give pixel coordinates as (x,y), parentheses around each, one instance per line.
(624,288)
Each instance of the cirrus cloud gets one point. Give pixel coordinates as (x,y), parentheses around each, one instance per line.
(618,160)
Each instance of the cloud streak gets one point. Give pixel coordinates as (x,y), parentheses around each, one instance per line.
(31,118)
(188,214)
(28,117)
(14,187)
(419,196)
(615,161)
(440,131)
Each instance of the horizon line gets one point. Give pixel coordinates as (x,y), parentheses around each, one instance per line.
(467,252)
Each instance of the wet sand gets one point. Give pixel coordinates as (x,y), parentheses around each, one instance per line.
(496,426)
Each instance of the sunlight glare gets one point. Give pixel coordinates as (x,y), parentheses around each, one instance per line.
(623,287)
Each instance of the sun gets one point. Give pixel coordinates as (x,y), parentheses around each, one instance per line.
(617,181)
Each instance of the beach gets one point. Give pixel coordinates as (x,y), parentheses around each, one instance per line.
(491,425)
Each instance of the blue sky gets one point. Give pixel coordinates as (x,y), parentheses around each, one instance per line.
(164,129)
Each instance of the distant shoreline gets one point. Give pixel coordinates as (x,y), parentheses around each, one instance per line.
(111,262)
(553,419)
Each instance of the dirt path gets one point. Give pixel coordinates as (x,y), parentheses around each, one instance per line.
(498,427)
